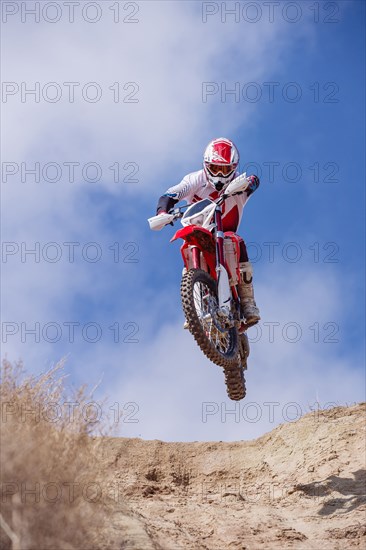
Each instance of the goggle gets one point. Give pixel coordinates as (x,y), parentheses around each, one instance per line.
(223,169)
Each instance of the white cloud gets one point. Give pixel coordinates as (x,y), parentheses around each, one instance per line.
(169,53)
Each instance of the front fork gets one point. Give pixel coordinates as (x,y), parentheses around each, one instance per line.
(196,257)
(219,238)
(223,284)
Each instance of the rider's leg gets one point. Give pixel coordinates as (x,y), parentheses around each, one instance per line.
(249,309)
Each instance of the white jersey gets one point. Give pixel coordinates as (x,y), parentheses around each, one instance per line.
(195,187)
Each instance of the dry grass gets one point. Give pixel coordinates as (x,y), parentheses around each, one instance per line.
(52,495)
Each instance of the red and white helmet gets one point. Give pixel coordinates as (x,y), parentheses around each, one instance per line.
(220,160)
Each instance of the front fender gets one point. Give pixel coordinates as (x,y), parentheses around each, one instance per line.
(180,234)
(195,235)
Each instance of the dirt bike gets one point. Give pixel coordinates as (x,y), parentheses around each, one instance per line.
(209,284)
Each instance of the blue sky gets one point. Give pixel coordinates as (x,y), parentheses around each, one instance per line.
(320,138)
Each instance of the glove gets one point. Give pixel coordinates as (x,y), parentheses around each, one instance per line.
(253,182)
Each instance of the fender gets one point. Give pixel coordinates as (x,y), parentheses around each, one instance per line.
(195,235)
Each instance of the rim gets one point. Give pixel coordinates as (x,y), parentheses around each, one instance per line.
(205,303)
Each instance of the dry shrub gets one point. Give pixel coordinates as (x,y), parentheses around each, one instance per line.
(52,494)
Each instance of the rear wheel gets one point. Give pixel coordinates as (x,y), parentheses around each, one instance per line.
(234,378)
(235,383)
(200,306)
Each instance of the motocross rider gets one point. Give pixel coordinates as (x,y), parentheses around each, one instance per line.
(220,167)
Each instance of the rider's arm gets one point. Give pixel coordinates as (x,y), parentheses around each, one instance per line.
(183,191)
(165,203)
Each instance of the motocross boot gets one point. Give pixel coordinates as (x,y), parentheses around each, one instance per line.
(248,308)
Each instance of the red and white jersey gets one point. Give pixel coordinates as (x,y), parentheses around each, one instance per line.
(195,187)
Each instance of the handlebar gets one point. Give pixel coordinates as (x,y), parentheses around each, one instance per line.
(238,186)
(179,211)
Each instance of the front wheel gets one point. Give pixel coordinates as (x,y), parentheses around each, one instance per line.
(200,306)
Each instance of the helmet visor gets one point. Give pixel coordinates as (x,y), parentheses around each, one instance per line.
(220,169)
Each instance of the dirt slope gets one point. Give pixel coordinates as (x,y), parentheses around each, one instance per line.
(300,486)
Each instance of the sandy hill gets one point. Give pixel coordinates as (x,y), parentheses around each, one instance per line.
(300,486)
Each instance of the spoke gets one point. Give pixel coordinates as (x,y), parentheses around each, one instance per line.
(201,298)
